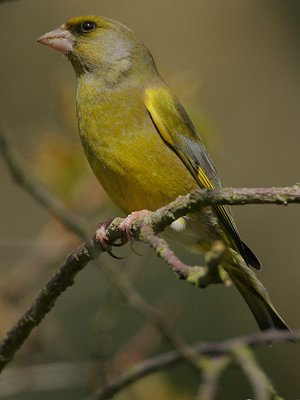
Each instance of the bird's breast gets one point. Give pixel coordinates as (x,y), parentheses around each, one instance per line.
(127,154)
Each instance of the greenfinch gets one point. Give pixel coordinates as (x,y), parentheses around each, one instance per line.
(143,147)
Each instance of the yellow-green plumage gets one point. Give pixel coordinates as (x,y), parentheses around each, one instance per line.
(144,149)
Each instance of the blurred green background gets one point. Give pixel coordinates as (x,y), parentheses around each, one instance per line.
(235,66)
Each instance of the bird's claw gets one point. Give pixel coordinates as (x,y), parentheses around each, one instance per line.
(125,229)
(103,240)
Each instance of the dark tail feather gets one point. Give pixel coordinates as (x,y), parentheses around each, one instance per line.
(251,257)
(256,297)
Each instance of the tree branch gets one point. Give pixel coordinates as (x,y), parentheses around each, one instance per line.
(229,196)
(157,220)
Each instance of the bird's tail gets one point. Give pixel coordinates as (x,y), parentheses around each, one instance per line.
(256,296)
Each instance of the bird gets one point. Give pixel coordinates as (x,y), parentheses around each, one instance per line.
(144,149)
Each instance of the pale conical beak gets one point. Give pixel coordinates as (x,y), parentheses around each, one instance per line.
(59,39)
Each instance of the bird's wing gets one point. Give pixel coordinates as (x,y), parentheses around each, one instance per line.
(177,130)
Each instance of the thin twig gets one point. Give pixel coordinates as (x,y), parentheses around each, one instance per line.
(163,250)
(200,276)
(228,196)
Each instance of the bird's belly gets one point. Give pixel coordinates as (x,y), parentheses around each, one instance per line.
(140,175)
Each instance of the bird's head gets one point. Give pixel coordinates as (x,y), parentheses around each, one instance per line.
(97,45)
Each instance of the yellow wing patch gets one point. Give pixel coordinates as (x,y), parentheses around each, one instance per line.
(155,113)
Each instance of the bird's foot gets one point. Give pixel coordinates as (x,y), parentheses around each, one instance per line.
(101,237)
(126,225)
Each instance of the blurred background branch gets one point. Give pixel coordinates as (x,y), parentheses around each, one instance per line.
(229,347)
(212,369)
(261,384)
(37,191)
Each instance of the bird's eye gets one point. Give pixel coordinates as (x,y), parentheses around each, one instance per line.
(87,26)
